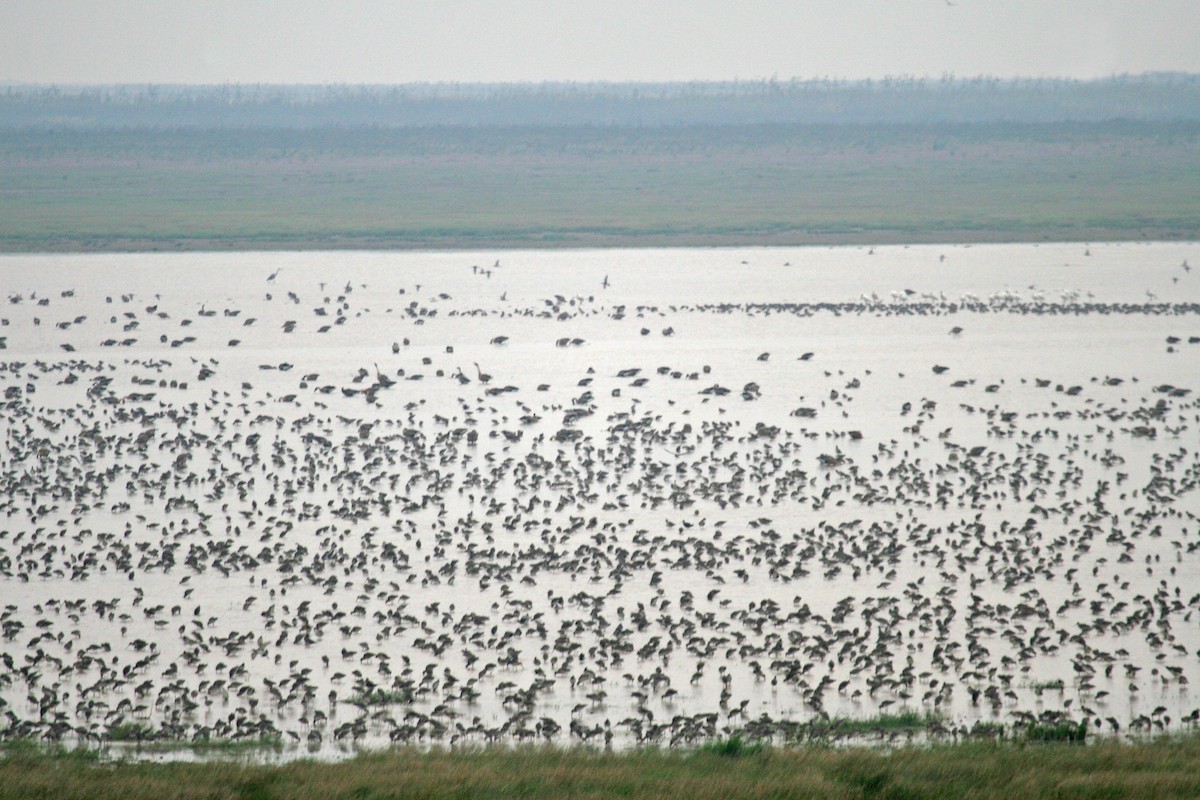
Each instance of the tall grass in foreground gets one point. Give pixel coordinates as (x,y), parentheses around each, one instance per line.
(1164,768)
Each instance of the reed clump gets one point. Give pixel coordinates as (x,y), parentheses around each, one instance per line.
(900,722)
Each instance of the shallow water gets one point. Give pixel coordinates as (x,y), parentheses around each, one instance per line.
(208,539)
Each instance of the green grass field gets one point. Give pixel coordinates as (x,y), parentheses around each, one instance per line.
(558,187)
(1164,768)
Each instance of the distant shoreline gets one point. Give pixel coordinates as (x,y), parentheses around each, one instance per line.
(585,241)
(142,190)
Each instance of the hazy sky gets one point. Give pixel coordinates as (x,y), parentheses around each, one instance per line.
(395,41)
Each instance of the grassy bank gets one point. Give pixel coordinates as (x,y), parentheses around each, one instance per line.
(1164,768)
(584,187)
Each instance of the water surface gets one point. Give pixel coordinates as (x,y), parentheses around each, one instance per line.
(643,496)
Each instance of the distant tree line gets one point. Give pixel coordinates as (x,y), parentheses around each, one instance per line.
(899,100)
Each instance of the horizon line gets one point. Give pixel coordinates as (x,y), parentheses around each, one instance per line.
(947,77)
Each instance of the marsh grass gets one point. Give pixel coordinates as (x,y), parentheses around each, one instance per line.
(554,187)
(733,747)
(1163,768)
(846,727)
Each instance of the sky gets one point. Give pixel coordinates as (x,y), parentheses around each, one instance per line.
(403,41)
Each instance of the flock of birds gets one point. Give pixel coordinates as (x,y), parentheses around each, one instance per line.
(410,527)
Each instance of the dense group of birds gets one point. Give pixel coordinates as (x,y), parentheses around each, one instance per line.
(295,515)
